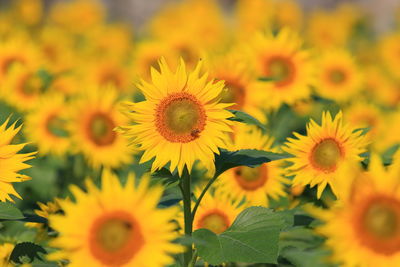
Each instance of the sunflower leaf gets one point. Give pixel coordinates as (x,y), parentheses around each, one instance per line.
(26,249)
(252,238)
(243,117)
(9,211)
(244,157)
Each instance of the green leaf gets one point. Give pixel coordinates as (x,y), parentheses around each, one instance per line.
(363,131)
(387,156)
(26,249)
(267,79)
(245,157)
(252,238)
(166,178)
(306,258)
(243,117)
(9,211)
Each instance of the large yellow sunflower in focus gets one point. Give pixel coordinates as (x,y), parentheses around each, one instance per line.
(115,226)
(363,228)
(180,121)
(94,116)
(46,125)
(338,76)
(11,162)
(282,59)
(257,184)
(319,156)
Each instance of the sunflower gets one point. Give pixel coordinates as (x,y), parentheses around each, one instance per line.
(93,118)
(45,125)
(11,162)
(216,212)
(319,156)
(257,184)
(180,121)
(147,54)
(388,48)
(118,226)
(233,69)
(23,87)
(363,228)
(338,76)
(5,252)
(282,59)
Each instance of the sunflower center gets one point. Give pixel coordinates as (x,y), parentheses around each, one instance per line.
(180,118)
(55,126)
(326,154)
(9,62)
(233,93)
(251,179)
(337,76)
(101,129)
(115,238)
(381,221)
(280,69)
(110,77)
(377,224)
(214,221)
(30,85)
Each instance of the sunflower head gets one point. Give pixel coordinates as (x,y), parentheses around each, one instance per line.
(319,156)
(180,121)
(111,232)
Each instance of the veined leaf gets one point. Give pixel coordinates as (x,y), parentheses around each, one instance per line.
(9,211)
(243,117)
(26,249)
(252,238)
(244,157)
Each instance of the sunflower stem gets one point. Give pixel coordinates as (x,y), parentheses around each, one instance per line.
(187,210)
(196,206)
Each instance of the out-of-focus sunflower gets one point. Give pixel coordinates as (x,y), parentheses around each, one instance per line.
(29,12)
(257,184)
(363,227)
(233,69)
(113,233)
(147,54)
(389,47)
(281,59)
(180,121)
(46,125)
(338,76)
(216,212)
(319,156)
(93,117)
(287,14)
(16,50)
(77,16)
(253,16)
(11,162)
(23,87)
(5,252)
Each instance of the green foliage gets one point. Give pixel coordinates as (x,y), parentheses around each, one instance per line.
(252,238)
(26,249)
(243,117)
(244,157)
(9,211)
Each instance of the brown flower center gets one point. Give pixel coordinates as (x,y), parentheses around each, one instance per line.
(115,238)
(251,179)
(180,118)
(326,154)
(215,221)
(281,69)
(377,224)
(100,129)
(337,76)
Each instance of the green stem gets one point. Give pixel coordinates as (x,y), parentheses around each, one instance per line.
(196,206)
(187,202)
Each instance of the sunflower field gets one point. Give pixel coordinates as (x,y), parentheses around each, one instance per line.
(237,133)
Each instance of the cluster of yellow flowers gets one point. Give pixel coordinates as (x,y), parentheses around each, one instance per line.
(168,94)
